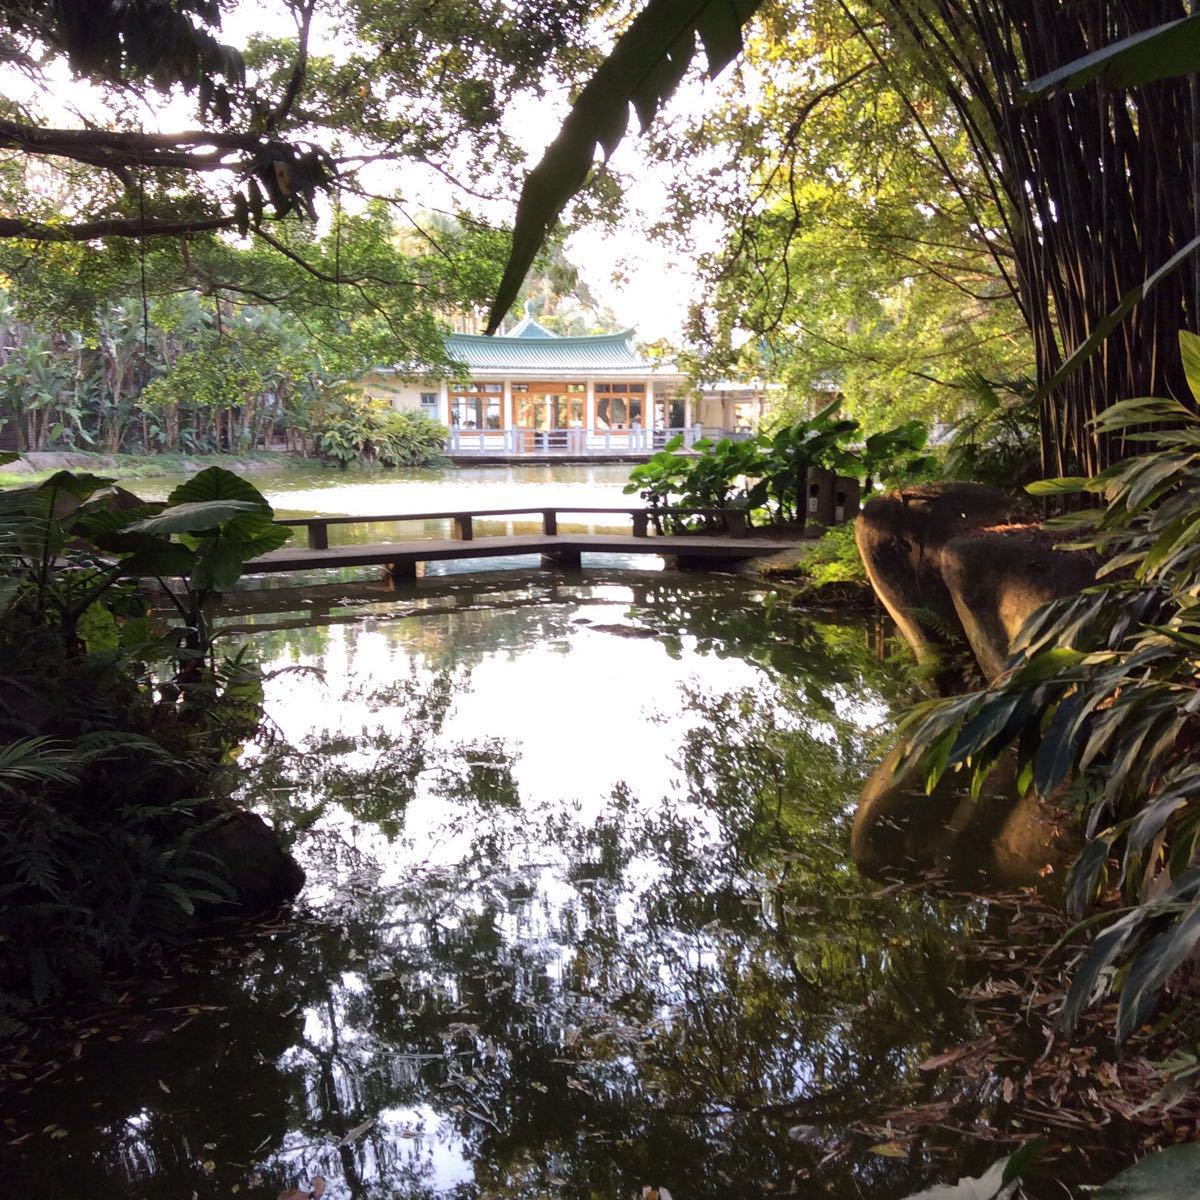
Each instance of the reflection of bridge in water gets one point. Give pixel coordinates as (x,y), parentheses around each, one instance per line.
(725,539)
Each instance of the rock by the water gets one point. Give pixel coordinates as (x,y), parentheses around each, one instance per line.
(998,577)
(900,537)
(248,852)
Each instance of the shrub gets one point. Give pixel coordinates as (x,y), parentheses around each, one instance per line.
(768,474)
(115,741)
(834,558)
(348,427)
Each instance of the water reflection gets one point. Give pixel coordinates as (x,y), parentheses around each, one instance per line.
(579,920)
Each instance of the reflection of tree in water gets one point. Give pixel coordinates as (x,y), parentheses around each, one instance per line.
(460,620)
(652,993)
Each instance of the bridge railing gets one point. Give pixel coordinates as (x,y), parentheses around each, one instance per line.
(517,440)
(733,520)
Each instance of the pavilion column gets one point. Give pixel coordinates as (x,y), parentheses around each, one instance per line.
(687,410)
(506,413)
(589,405)
(444,403)
(651,415)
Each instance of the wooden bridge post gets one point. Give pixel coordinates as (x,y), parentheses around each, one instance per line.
(318,535)
(641,524)
(550,522)
(403,570)
(464,527)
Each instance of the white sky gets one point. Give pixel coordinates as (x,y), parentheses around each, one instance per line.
(642,282)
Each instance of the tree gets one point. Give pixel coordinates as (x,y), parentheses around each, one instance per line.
(418,83)
(848,257)
(1074,199)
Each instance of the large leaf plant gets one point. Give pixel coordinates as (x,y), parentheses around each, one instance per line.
(1101,703)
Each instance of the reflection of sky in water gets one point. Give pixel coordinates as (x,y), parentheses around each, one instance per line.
(574,713)
(577,898)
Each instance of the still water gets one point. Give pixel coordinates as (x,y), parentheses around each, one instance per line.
(579,917)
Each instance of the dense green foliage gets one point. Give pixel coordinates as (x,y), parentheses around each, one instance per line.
(768,474)
(117,723)
(1100,699)
(201,363)
(833,558)
(346,427)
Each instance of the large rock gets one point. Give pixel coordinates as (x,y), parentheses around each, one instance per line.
(249,855)
(998,577)
(1003,837)
(901,536)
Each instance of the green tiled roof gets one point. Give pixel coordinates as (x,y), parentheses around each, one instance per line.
(537,349)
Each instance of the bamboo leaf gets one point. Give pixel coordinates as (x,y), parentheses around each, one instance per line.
(1163,52)
(643,69)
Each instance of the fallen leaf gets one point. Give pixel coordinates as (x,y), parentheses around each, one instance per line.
(318,1187)
(891,1150)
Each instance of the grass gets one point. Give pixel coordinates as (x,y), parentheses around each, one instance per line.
(151,466)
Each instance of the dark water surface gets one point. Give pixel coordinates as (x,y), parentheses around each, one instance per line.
(579,919)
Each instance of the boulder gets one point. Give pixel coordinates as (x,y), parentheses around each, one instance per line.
(249,854)
(997,577)
(66,460)
(900,537)
(1009,839)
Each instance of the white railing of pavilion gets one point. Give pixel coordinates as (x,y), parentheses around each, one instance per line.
(518,441)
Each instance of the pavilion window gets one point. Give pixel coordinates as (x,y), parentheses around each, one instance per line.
(620,405)
(477,406)
(549,405)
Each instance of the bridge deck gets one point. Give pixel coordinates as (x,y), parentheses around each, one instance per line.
(561,546)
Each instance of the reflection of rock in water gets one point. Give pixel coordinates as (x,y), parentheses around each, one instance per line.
(1010,839)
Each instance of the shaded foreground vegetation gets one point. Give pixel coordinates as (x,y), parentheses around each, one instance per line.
(119,734)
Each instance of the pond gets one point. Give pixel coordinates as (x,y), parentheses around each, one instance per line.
(580,918)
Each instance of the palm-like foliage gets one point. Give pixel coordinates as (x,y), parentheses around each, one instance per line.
(1102,698)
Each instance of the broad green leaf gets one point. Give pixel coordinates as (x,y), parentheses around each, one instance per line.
(1048,663)
(194,516)
(1170,1174)
(98,630)
(1189,349)
(1162,52)
(216,483)
(1066,486)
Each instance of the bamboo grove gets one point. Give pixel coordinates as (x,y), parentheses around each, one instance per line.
(891,150)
